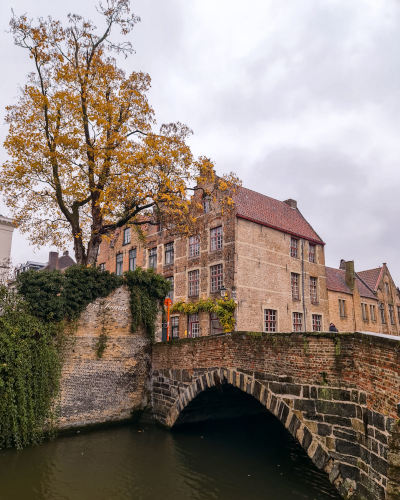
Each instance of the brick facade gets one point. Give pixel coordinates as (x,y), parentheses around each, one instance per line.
(102,390)
(365,301)
(255,259)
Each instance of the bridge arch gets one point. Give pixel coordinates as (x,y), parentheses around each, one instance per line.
(336,393)
(282,398)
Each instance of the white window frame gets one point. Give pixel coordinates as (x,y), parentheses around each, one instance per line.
(194,283)
(297,326)
(270,320)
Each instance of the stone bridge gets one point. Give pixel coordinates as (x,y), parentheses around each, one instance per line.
(337,394)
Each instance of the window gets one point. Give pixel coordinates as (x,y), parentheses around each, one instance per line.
(194,326)
(270,320)
(132,259)
(194,246)
(206,205)
(102,267)
(295,286)
(294,246)
(215,324)
(153,258)
(169,253)
(119,261)
(216,278)
(175,327)
(342,308)
(316,323)
(171,292)
(382,310)
(372,312)
(387,287)
(194,280)
(297,322)
(313,290)
(216,238)
(398,313)
(127,236)
(364,311)
(391,314)
(311,253)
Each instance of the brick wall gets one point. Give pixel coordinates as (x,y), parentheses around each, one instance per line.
(336,394)
(263,278)
(97,390)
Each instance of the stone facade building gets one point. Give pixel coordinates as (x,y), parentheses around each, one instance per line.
(263,252)
(365,301)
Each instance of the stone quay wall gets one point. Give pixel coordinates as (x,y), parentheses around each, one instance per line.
(336,394)
(99,390)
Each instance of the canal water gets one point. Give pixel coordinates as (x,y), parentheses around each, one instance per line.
(251,458)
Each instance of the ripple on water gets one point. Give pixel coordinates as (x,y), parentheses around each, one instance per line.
(251,458)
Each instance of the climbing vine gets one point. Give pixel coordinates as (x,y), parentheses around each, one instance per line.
(148,289)
(224,309)
(30,367)
(34,326)
(55,295)
(101,344)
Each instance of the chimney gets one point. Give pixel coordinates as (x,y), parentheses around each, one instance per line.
(65,253)
(342,265)
(350,274)
(53,260)
(291,203)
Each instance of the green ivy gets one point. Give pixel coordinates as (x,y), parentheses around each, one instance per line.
(147,289)
(53,295)
(224,308)
(30,367)
(32,339)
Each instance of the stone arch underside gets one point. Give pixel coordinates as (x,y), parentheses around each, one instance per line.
(333,425)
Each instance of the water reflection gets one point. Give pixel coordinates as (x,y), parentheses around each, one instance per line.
(248,458)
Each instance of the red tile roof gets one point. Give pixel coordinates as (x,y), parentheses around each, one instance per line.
(335,280)
(264,210)
(372,277)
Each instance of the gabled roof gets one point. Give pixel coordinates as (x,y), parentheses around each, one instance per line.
(267,211)
(335,281)
(65,261)
(372,277)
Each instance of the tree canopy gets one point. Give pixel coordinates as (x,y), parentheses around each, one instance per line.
(84,155)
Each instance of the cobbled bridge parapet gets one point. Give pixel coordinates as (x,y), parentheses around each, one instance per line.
(336,393)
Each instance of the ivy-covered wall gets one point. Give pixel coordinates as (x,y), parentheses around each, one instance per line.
(84,330)
(108,388)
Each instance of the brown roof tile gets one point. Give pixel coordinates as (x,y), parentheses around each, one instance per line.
(273,213)
(335,280)
(372,277)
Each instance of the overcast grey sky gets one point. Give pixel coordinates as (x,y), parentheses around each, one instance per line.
(300,98)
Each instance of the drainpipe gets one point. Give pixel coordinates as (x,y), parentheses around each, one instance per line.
(302,276)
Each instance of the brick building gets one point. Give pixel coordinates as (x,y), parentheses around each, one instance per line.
(263,252)
(363,301)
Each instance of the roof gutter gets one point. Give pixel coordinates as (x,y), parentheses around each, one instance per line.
(317,242)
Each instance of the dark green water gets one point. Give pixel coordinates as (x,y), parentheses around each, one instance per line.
(248,458)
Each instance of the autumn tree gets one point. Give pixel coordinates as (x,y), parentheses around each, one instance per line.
(84,155)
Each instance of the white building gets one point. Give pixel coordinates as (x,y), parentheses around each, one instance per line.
(6,232)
